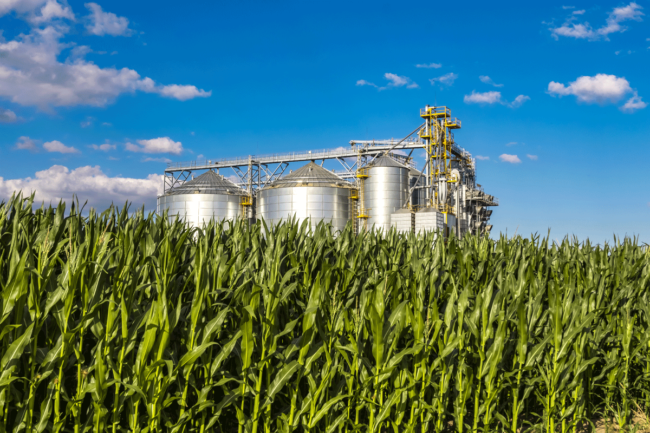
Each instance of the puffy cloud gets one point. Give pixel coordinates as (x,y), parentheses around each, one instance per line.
(519,101)
(483,98)
(532,157)
(88,183)
(106,147)
(600,89)
(365,83)
(512,159)
(26,143)
(7,116)
(619,15)
(447,79)
(32,75)
(573,30)
(429,65)
(156,145)
(399,81)
(487,80)
(102,23)
(182,93)
(58,147)
(482,158)
(493,97)
(37,11)
(633,104)
(570,28)
(165,160)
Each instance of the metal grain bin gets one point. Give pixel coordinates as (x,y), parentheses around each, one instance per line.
(309,192)
(208,196)
(385,191)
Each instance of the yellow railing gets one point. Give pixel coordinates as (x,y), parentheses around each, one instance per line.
(452,123)
(362,173)
(435,112)
(246,200)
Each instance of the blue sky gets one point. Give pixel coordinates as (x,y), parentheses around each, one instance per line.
(94,97)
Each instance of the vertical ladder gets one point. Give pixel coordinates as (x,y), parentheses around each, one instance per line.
(362,175)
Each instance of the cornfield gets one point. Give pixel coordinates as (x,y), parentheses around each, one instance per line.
(120,321)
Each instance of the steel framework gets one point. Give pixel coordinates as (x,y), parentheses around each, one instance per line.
(434,136)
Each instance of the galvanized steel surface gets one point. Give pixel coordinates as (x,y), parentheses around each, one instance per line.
(199,209)
(385,192)
(324,203)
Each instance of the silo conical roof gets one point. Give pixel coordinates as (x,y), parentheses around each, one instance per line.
(310,174)
(386,161)
(208,183)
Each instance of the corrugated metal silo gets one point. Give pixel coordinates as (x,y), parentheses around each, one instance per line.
(208,196)
(385,191)
(309,192)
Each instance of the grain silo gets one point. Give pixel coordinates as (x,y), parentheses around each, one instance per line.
(209,196)
(385,191)
(309,192)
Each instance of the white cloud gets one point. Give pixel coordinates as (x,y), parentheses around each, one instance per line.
(102,23)
(600,89)
(487,80)
(570,28)
(156,145)
(512,143)
(399,81)
(394,80)
(493,97)
(88,122)
(568,7)
(165,160)
(7,116)
(365,83)
(519,101)
(512,159)
(200,157)
(447,79)
(532,157)
(37,11)
(619,15)
(26,143)
(106,147)
(32,75)
(483,98)
(88,183)
(58,147)
(429,65)
(107,124)
(633,104)
(182,93)
(482,158)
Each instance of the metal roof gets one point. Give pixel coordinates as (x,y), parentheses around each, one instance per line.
(208,183)
(386,161)
(310,174)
